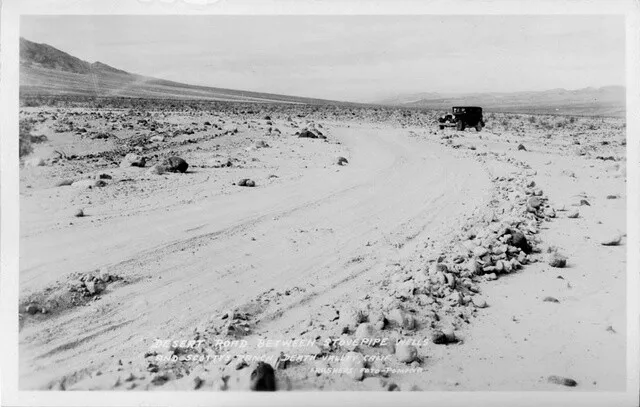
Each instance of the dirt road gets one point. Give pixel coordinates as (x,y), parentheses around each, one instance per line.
(326,234)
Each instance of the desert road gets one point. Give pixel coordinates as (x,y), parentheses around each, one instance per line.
(314,237)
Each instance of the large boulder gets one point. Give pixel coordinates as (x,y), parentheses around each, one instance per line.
(175,164)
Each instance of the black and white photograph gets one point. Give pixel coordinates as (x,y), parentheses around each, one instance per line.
(333,203)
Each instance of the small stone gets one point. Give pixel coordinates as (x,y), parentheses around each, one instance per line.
(95,286)
(79,213)
(401,319)
(365,331)
(573,213)
(491,277)
(613,240)
(557,260)
(353,365)
(406,353)
(105,277)
(175,164)
(480,251)
(64,183)
(534,202)
(441,337)
(550,299)
(32,309)
(479,302)
(342,161)
(564,381)
(262,378)
(455,298)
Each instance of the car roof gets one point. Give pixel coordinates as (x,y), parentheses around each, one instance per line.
(467,107)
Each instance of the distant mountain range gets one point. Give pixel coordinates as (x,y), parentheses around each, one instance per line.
(46,71)
(604,101)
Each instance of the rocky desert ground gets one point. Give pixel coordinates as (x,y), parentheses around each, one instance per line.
(216,246)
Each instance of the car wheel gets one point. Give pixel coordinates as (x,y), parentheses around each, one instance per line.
(460,125)
(441,127)
(478,126)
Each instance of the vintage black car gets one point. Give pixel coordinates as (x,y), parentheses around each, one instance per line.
(462,117)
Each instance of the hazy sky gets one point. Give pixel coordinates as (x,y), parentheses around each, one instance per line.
(359,58)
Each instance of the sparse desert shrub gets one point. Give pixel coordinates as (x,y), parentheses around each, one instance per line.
(560,124)
(572,120)
(546,125)
(532,119)
(25,147)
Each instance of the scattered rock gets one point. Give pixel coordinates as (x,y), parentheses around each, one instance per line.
(612,240)
(95,287)
(443,337)
(480,251)
(104,276)
(550,299)
(534,202)
(31,309)
(406,353)
(64,183)
(353,364)
(557,260)
(518,240)
(521,147)
(365,331)
(133,160)
(479,302)
(573,213)
(175,164)
(564,381)
(341,161)
(262,378)
(156,138)
(307,134)
(79,213)
(246,182)
(401,319)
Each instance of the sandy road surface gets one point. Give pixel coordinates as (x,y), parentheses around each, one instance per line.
(310,236)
